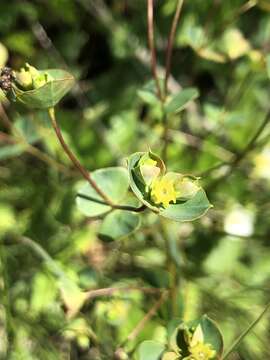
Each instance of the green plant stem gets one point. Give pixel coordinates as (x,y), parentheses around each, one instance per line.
(43,255)
(167,74)
(91,294)
(239,157)
(151,42)
(244,334)
(141,324)
(75,161)
(170,43)
(172,270)
(120,207)
(165,136)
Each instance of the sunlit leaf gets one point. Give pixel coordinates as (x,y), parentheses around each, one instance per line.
(181,100)
(48,95)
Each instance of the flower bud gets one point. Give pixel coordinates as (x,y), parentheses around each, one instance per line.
(24,78)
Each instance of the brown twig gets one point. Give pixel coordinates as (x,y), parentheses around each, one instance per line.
(151,42)
(116,206)
(141,324)
(170,43)
(112,290)
(167,74)
(75,161)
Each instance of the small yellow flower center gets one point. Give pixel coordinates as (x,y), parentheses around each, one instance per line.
(201,351)
(163,191)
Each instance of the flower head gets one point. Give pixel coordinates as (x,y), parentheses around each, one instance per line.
(172,186)
(201,351)
(31,78)
(163,191)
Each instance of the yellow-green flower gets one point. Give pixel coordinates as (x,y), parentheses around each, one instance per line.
(30,77)
(163,191)
(172,186)
(201,351)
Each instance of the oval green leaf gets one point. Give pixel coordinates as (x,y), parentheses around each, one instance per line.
(119,224)
(48,95)
(113,181)
(189,210)
(212,335)
(181,100)
(150,350)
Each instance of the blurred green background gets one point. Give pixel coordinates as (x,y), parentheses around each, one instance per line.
(48,250)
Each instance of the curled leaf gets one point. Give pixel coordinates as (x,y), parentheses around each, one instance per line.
(42,89)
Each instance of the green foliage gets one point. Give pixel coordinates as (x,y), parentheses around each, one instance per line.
(113,181)
(119,224)
(49,93)
(181,100)
(84,278)
(188,210)
(150,350)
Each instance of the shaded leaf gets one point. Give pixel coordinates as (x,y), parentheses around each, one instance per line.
(190,210)
(113,181)
(150,350)
(119,224)
(181,100)
(48,95)
(212,334)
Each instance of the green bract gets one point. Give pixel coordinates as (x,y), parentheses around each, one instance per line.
(175,196)
(201,335)
(42,89)
(196,340)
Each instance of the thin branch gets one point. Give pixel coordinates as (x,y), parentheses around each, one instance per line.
(138,328)
(151,43)
(244,334)
(120,207)
(43,255)
(170,43)
(19,139)
(32,150)
(239,157)
(75,161)
(110,291)
(252,142)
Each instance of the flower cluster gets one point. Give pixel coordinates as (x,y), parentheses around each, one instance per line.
(167,188)
(201,351)
(30,78)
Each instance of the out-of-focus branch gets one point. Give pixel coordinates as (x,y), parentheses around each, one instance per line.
(170,43)
(151,43)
